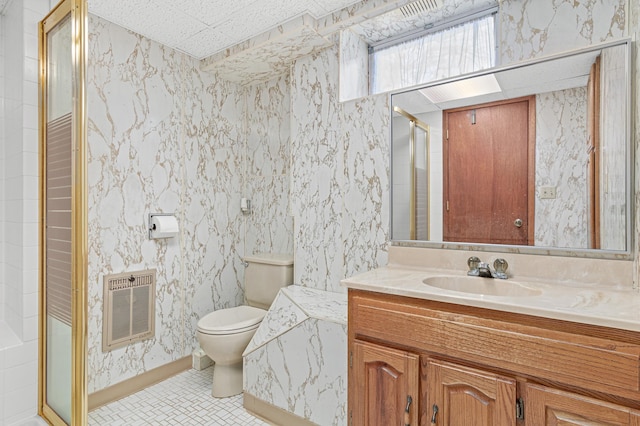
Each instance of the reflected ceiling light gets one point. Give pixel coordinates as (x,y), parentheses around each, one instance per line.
(466,88)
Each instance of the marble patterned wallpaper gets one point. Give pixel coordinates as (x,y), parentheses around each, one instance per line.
(310,381)
(323,129)
(533,28)
(340,176)
(166,137)
(132,171)
(269,227)
(212,161)
(561,162)
(354,66)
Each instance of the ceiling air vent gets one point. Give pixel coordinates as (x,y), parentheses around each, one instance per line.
(420,7)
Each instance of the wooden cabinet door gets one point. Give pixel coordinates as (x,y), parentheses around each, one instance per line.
(548,406)
(381,381)
(468,397)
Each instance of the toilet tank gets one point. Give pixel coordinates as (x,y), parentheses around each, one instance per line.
(265,274)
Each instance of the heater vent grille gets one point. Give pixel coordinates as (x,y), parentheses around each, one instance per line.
(419,7)
(128,308)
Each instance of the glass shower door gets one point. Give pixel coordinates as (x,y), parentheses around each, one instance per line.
(62,253)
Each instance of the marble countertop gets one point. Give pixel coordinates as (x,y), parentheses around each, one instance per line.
(594,304)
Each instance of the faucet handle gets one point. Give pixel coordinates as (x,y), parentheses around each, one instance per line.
(500,266)
(474,264)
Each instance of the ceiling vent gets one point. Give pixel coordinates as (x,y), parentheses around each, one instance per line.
(420,7)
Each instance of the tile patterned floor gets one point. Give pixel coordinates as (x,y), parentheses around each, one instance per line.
(184,399)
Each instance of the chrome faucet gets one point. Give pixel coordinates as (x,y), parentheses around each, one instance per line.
(477,268)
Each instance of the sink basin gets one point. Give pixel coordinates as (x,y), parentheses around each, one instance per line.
(483,286)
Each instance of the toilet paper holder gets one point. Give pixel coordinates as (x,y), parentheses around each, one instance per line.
(155,233)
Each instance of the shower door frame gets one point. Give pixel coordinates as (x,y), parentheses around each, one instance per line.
(77,10)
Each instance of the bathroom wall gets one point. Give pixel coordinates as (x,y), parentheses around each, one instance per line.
(162,137)
(529,31)
(561,139)
(340,194)
(350,204)
(340,170)
(533,28)
(269,227)
(19,209)
(166,137)
(340,164)
(21,164)
(2,162)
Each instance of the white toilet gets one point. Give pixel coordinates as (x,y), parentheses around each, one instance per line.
(225,333)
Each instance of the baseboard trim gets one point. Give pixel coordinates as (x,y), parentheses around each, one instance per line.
(272,414)
(137,383)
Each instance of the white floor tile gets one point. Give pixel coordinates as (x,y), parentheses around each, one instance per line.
(184,399)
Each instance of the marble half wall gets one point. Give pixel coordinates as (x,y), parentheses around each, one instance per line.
(297,360)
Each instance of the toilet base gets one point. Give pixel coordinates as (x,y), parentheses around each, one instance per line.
(227,380)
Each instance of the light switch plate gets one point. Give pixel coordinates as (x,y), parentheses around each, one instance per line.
(547,192)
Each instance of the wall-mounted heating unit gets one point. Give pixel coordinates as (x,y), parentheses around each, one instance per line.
(128,312)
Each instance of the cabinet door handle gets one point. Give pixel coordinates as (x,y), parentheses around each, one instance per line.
(407,417)
(435,413)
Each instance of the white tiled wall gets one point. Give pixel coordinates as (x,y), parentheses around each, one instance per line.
(2,234)
(12,24)
(2,208)
(19,207)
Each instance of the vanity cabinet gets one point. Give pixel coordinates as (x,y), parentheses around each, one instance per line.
(387,381)
(457,395)
(485,367)
(548,406)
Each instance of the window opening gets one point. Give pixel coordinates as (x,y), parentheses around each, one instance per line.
(460,46)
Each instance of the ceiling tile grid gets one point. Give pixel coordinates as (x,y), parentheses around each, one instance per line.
(202,28)
(163,24)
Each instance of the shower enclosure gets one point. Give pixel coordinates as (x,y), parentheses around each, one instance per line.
(411,141)
(62,373)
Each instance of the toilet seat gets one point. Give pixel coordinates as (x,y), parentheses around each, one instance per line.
(231,320)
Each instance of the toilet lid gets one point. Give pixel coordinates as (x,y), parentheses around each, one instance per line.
(231,319)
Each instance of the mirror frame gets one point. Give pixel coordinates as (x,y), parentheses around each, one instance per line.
(626,254)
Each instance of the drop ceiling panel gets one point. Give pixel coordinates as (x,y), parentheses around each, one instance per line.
(321,8)
(209,12)
(202,28)
(164,25)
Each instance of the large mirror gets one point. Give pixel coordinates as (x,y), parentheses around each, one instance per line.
(534,157)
